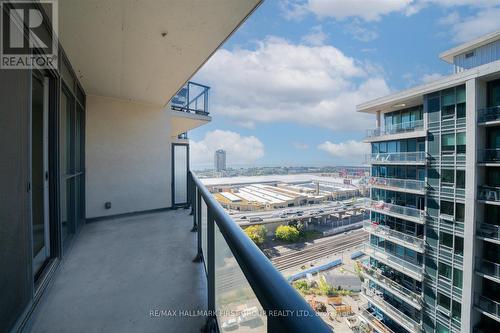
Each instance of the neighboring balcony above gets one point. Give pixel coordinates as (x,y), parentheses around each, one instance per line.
(401,185)
(487,269)
(489,194)
(488,157)
(375,275)
(489,116)
(416,158)
(489,232)
(407,130)
(402,212)
(189,108)
(408,241)
(487,306)
(374,296)
(414,271)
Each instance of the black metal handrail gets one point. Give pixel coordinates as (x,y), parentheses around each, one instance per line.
(273,292)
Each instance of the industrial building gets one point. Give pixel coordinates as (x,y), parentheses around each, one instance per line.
(435,195)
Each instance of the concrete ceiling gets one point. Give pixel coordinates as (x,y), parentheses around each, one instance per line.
(144,50)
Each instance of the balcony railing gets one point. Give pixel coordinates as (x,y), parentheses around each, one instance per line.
(489,155)
(406,240)
(488,114)
(488,193)
(374,322)
(377,277)
(398,316)
(419,157)
(488,268)
(404,212)
(489,231)
(487,305)
(406,184)
(243,285)
(410,126)
(405,267)
(192,98)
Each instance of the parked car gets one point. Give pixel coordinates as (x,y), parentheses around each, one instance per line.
(248,315)
(256,219)
(230,324)
(243,217)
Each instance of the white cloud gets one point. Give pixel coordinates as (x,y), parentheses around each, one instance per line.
(239,149)
(351,151)
(283,82)
(316,37)
(463,29)
(300,146)
(431,77)
(367,10)
(359,32)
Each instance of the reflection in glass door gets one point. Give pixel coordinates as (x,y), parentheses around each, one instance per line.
(40,170)
(180,167)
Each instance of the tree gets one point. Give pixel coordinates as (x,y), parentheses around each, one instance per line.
(257,233)
(287,233)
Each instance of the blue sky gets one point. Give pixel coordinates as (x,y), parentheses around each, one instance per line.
(285,85)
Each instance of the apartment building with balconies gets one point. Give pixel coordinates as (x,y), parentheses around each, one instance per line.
(434,202)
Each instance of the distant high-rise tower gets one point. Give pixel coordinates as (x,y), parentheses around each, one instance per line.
(220,160)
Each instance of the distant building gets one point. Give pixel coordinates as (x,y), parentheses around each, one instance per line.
(220,160)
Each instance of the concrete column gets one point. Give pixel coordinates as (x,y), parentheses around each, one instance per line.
(377,123)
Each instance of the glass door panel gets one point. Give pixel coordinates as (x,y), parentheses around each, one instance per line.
(180,169)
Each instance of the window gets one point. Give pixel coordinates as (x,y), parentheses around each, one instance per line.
(461,110)
(460,179)
(456,310)
(459,245)
(443,301)
(440,328)
(444,270)
(448,143)
(448,176)
(494,93)
(457,278)
(469,54)
(446,208)
(446,239)
(448,103)
(459,212)
(461,143)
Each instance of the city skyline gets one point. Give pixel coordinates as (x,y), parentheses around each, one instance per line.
(277,109)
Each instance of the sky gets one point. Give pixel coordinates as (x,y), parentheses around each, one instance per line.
(285,86)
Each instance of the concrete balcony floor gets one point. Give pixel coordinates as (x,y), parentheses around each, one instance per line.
(119,270)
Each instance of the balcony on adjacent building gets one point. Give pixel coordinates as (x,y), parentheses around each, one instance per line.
(375,323)
(488,269)
(489,194)
(417,157)
(489,232)
(489,157)
(488,116)
(376,298)
(376,276)
(412,270)
(402,212)
(487,306)
(410,129)
(406,240)
(396,184)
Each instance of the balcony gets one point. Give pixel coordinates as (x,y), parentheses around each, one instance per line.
(418,157)
(374,322)
(489,157)
(488,269)
(414,271)
(396,184)
(489,194)
(374,296)
(411,242)
(487,306)
(189,108)
(402,212)
(490,232)
(488,116)
(411,129)
(375,275)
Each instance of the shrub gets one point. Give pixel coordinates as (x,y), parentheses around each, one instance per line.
(287,233)
(301,285)
(257,233)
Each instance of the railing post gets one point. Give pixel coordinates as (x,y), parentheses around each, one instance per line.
(197,218)
(210,257)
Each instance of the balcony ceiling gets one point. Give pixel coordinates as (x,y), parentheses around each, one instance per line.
(144,50)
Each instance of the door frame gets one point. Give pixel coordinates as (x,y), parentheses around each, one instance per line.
(174,204)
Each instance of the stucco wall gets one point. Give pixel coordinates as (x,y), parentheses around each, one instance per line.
(128,157)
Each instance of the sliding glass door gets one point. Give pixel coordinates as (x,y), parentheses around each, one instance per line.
(180,167)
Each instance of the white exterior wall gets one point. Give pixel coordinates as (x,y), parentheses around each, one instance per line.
(481,55)
(128,156)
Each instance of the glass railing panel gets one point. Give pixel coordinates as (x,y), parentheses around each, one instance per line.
(488,231)
(395,158)
(489,155)
(193,98)
(393,261)
(487,305)
(374,321)
(488,193)
(408,184)
(386,232)
(488,114)
(238,309)
(488,267)
(405,127)
(396,209)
